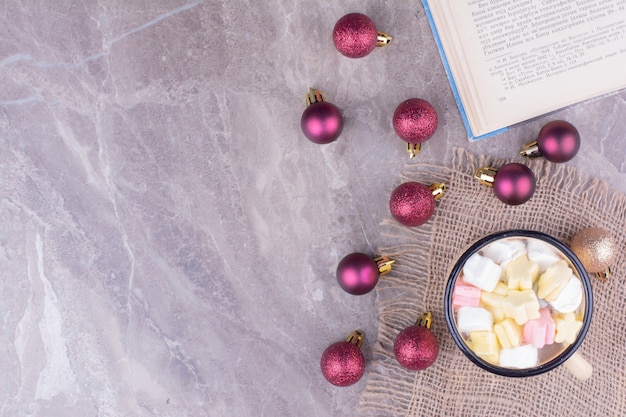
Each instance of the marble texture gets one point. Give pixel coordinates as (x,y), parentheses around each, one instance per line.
(168,236)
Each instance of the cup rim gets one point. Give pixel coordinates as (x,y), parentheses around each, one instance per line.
(510,372)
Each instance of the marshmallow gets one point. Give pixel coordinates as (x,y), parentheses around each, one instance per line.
(493,302)
(520,357)
(481,272)
(472,319)
(570,298)
(553,281)
(465,295)
(501,289)
(504,251)
(542,254)
(508,332)
(498,313)
(540,332)
(485,345)
(521,306)
(490,299)
(521,273)
(567,328)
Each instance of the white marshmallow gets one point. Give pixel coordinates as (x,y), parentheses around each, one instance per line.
(542,254)
(570,298)
(481,272)
(472,319)
(519,357)
(504,251)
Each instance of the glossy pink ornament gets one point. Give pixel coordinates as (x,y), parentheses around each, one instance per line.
(358,274)
(415,121)
(355,36)
(558,141)
(343,363)
(512,183)
(321,122)
(416,347)
(412,203)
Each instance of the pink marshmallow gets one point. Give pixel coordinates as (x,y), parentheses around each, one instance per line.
(465,295)
(541,331)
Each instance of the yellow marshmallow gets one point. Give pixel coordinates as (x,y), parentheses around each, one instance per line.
(553,281)
(521,306)
(490,299)
(509,333)
(485,345)
(501,289)
(521,273)
(493,303)
(497,313)
(567,328)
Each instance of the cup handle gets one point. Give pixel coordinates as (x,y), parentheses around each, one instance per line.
(579,367)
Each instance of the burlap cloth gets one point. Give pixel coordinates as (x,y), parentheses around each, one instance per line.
(565,202)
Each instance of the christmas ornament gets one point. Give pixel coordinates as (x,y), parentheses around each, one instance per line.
(355,36)
(512,183)
(596,249)
(357,273)
(416,347)
(412,203)
(343,363)
(558,141)
(321,122)
(415,121)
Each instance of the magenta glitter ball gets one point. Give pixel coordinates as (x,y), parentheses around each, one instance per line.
(558,141)
(342,364)
(357,274)
(416,348)
(322,122)
(355,35)
(415,120)
(412,204)
(514,184)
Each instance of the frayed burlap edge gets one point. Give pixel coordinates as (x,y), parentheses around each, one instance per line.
(417,282)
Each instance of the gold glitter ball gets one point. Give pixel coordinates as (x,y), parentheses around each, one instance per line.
(595,248)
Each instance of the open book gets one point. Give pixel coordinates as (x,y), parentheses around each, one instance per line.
(512,60)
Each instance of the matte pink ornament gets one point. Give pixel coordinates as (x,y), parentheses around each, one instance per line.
(343,363)
(412,203)
(558,141)
(355,36)
(513,183)
(358,274)
(321,122)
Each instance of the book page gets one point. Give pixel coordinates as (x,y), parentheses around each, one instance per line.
(517,59)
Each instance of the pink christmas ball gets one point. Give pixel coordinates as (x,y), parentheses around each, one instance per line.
(412,204)
(416,348)
(415,120)
(357,274)
(558,141)
(514,184)
(322,122)
(355,35)
(342,364)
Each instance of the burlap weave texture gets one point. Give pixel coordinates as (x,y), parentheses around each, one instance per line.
(565,202)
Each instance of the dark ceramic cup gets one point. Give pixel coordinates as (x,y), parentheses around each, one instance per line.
(556,354)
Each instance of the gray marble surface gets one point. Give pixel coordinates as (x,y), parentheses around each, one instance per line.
(169,237)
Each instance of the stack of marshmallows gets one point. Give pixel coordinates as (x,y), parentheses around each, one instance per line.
(518,303)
